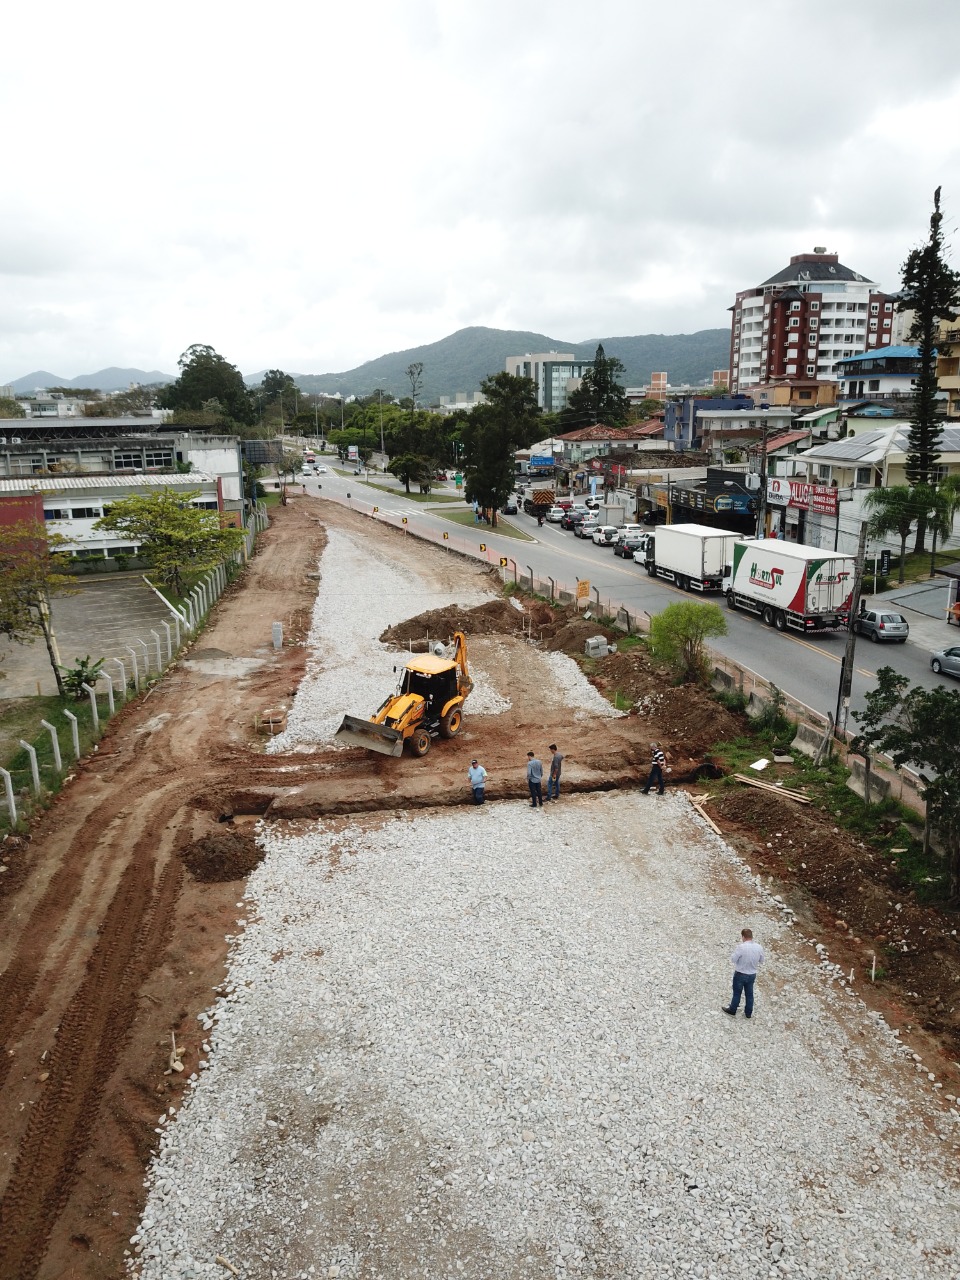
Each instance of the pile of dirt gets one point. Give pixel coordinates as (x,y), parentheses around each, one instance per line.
(859,890)
(221,856)
(494,617)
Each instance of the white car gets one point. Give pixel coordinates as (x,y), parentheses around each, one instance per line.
(604,535)
(555,515)
(321,471)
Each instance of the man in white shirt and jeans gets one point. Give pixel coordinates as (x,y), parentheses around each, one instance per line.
(747,959)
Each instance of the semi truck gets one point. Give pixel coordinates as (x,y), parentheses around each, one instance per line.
(694,556)
(790,587)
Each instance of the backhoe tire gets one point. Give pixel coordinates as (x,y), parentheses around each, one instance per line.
(419,742)
(451,723)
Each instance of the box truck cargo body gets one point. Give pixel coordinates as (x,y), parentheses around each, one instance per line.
(694,556)
(801,588)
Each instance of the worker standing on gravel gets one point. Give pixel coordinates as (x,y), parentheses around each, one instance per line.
(657,761)
(746,959)
(553,777)
(535,780)
(477,775)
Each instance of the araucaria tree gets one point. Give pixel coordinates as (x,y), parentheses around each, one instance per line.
(492,432)
(919,726)
(931,290)
(177,538)
(599,398)
(31,572)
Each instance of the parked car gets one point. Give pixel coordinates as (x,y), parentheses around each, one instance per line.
(947,661)
(555,515)
(626,547)
(878,625)
(584,528)
(604,535)
(629,530)
(509,508)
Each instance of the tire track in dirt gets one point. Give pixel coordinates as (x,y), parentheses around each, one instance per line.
(134,932)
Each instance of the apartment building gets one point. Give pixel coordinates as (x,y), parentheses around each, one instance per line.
(804,319)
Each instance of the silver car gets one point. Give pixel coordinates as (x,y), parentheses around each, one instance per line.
(946,660)
(878,625)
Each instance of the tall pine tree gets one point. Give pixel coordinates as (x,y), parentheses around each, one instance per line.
(599,398)
(931,290)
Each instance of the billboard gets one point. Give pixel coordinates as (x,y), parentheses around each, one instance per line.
(353,453)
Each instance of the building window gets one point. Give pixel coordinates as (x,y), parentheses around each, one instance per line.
(85,513)
(794,306)
(128,461)
(873,384)
(791,368)
(113,552)
(864,475)
(874,308)
(158,458)
(886,324)
(794,322)
(811,373)
(814,322)
(56,513)
(873,325)
(823,472)
(814,306)
(888,306)
(805,395)
(205,506)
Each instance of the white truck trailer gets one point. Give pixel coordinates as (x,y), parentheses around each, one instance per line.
(694,556)
(790,586)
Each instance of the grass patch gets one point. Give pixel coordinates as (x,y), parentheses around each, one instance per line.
(502,529)
(21,719)
(916,568)
(399,492)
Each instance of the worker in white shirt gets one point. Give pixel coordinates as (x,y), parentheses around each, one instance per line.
(477,776)
(746,959)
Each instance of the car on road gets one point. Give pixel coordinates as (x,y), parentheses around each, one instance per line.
(584,528)
(555,515)
(604,535)
(628,546)
(947,661)
(509,508)
(321,471)
(880,625)
(572,518)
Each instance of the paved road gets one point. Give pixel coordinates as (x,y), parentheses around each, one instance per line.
(805,667)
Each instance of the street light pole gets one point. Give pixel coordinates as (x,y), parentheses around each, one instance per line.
(380,394)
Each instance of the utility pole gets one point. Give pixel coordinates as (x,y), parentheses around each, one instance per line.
(849,656)
(762,502)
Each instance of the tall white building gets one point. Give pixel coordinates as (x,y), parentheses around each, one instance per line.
(555,373)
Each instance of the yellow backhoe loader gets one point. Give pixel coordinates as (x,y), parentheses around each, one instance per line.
(429,702)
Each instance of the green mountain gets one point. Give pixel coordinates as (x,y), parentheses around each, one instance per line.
(461,361)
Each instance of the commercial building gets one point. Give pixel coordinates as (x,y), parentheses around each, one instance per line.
(878,375)
(804,319)
(948,366)
(556,374)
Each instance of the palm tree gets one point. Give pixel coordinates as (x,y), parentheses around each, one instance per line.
(894,511)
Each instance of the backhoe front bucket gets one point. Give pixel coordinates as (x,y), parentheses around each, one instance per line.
(374,737)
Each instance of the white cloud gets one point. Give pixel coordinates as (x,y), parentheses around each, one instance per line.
(309,187)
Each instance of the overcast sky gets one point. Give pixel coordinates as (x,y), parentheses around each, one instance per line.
(310,186)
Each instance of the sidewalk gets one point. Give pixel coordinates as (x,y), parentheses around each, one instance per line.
(924,605)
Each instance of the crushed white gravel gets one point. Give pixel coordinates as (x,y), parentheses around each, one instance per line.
(488,1044)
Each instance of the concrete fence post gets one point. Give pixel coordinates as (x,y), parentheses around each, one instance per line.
(146,655)
(94,710)
(110,703)
(123,676)
(54,743)
(176,629)
(74,733)
(11,803)
(34,770)
(136,667)
(166,627)
(156,636)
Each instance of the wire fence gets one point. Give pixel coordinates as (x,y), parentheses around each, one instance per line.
(41,765)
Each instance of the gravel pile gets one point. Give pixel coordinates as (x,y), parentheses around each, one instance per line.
(488,1044)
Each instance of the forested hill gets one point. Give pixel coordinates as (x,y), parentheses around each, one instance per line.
(461,361)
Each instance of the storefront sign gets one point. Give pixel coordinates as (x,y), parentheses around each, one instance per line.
(821,498)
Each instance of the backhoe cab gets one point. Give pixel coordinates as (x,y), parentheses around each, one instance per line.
(429,702)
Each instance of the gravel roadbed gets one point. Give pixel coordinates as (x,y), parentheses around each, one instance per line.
(488,1043)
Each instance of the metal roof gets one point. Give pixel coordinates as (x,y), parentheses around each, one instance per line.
(874,445)
(815,271)
(881,353)
(64,484)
